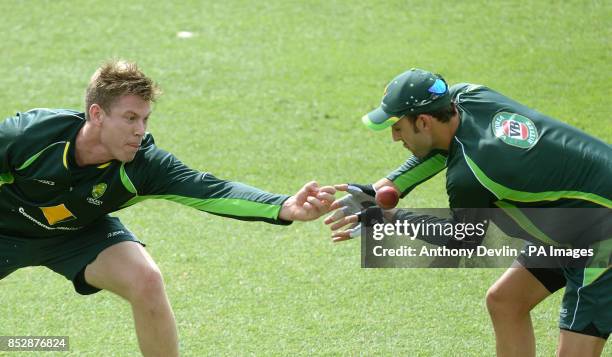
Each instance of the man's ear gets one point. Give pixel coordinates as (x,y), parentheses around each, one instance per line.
(423,122)
(95,114)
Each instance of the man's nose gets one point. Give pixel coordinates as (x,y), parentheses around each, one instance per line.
(141,128)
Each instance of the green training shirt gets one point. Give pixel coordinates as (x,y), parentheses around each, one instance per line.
(44,193)
(508,156)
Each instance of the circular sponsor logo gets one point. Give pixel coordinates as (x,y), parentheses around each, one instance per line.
(515,130)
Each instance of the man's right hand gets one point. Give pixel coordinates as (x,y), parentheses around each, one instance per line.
(359,198)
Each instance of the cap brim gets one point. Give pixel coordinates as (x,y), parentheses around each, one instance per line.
(378,119)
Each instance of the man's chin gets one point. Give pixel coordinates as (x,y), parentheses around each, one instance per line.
(412,152)
(419,155)
(127,158)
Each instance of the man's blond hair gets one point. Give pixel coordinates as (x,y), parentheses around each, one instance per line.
(115,79)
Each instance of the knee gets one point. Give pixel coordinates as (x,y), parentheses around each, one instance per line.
(147,285)
(501,302)
(495,300)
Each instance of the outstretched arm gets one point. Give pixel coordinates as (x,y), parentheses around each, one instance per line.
(158,174)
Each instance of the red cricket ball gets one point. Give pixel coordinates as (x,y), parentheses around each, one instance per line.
(387,197)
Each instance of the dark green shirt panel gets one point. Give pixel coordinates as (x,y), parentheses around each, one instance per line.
(564,161)
(461,88)
(462,186)
(563,168)
(156,173)
(39,128)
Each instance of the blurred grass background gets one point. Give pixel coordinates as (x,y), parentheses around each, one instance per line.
(270,94)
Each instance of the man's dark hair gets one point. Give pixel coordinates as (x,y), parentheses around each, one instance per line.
(442,115)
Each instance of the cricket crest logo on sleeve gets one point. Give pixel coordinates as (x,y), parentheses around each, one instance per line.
(514,129)
(97,192)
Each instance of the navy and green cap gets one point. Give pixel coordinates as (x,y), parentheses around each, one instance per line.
(413,92)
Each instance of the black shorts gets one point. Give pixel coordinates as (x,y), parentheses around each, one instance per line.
(67,255)
(590,316)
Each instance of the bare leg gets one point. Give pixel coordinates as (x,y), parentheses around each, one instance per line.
(509,302)
(127,270)
(575,344)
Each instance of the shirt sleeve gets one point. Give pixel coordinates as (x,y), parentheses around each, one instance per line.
(158,174)
(415,171)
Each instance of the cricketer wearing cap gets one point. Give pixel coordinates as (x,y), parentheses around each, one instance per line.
(500,153)
(62,172)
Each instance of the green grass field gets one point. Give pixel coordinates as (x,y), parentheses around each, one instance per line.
(271,93)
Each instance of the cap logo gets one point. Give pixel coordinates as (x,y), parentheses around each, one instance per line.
(514,129)
(439,87)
